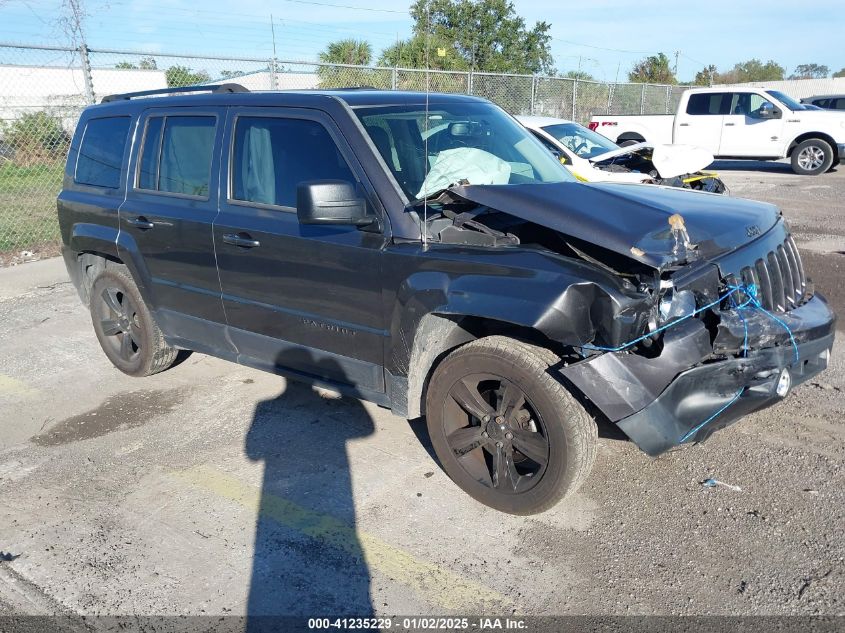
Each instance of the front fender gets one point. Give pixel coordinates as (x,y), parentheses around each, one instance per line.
(571,308)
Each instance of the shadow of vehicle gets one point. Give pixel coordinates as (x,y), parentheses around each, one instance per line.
(768,166)
(307,559)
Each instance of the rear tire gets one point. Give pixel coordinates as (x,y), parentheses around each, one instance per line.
(124,326)
(812,157)
(505,429)
(629,141)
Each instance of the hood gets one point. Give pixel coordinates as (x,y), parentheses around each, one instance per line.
(638,221)
(668,160)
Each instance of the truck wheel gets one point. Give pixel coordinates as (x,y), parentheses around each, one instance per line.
(124,326)
(812,157)
(629,141)
(505,430)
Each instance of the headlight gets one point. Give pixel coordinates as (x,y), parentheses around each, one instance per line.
(674,305)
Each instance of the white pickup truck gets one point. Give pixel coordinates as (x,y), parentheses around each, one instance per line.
(745,123)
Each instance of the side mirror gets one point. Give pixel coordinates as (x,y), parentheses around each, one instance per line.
(331,202)
(767,111)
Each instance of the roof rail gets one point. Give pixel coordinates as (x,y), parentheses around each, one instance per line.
(214,89)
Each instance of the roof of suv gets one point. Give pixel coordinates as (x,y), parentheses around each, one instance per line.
(354,97)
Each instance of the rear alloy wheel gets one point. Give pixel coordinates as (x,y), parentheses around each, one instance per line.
(812,157)
(124,326)
(504,429)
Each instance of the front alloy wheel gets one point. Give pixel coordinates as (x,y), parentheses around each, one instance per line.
(505,429)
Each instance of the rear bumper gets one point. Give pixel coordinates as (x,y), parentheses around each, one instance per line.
(683,396)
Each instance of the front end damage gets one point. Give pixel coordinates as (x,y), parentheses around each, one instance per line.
(728,361)
(707,323)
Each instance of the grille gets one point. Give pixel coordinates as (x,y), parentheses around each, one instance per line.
(779,277)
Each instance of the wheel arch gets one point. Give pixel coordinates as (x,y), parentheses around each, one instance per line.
(806,136)
(438,335)
(629,136)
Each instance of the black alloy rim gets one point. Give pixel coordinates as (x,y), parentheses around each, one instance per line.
(495,433)
(120,323)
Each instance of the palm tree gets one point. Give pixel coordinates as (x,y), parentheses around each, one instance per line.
(349,51)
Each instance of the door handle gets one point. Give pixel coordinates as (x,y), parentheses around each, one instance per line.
(683,124)
(141,223)
(241,239)
(729,124)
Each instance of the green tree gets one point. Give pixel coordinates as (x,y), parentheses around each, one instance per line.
(578,74)
(348,51)
(485,35)
(146,63)
(706,76)
(810,71)
(178,76)
(752,70)
(839,73)
(654,69)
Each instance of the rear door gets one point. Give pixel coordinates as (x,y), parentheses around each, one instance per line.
(302,297)
(700,123)
(170,206)
(745,133)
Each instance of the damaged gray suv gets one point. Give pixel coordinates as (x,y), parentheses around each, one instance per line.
(426,253)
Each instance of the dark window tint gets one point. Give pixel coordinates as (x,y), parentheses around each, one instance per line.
(709,103)
(273,155)
(186,148)
(101,154)
(150,151)
(840,104)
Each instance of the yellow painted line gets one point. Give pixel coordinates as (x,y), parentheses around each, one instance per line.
(433,582)
(13,387)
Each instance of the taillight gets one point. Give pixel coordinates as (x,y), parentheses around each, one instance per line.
(593,125)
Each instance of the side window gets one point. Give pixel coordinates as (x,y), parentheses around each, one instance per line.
(708,103)
(840,104)
(756,102)
(101,154)
(176,155)
(548,145)
(273,155)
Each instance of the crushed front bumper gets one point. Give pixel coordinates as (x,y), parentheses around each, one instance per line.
(684,395)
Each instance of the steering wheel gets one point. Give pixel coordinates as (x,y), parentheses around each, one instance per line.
(578,148)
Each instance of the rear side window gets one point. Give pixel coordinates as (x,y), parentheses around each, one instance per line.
(708,103)
(101,154)
(273,155)
(176,155)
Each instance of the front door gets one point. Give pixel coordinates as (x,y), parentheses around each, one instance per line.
(746,133)
(170,206)
(301,297)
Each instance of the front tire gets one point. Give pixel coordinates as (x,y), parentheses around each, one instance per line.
(812,157)
(124,326)
(505,429)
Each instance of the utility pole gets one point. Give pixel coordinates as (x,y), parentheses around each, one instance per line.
(675,72)
(274,84)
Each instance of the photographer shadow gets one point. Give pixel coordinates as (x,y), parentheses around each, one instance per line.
(307,557)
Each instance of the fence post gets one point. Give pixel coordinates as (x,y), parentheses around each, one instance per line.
(470,83)
(610,89)
(668,98)
(642,100)
(533,94)
(394,78)
(86,73)
(574,99)
(274,82)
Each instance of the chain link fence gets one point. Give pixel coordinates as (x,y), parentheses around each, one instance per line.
(43,89)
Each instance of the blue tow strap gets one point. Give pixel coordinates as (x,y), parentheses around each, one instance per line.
(750,290)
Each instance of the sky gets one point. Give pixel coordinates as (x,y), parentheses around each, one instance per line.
(602,37)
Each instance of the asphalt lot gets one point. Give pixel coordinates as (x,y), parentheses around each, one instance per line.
(217,489)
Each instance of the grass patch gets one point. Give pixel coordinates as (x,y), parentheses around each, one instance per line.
(28,204)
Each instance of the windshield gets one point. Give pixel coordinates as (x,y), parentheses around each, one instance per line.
(786,100)
(473,142)
(581,141)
